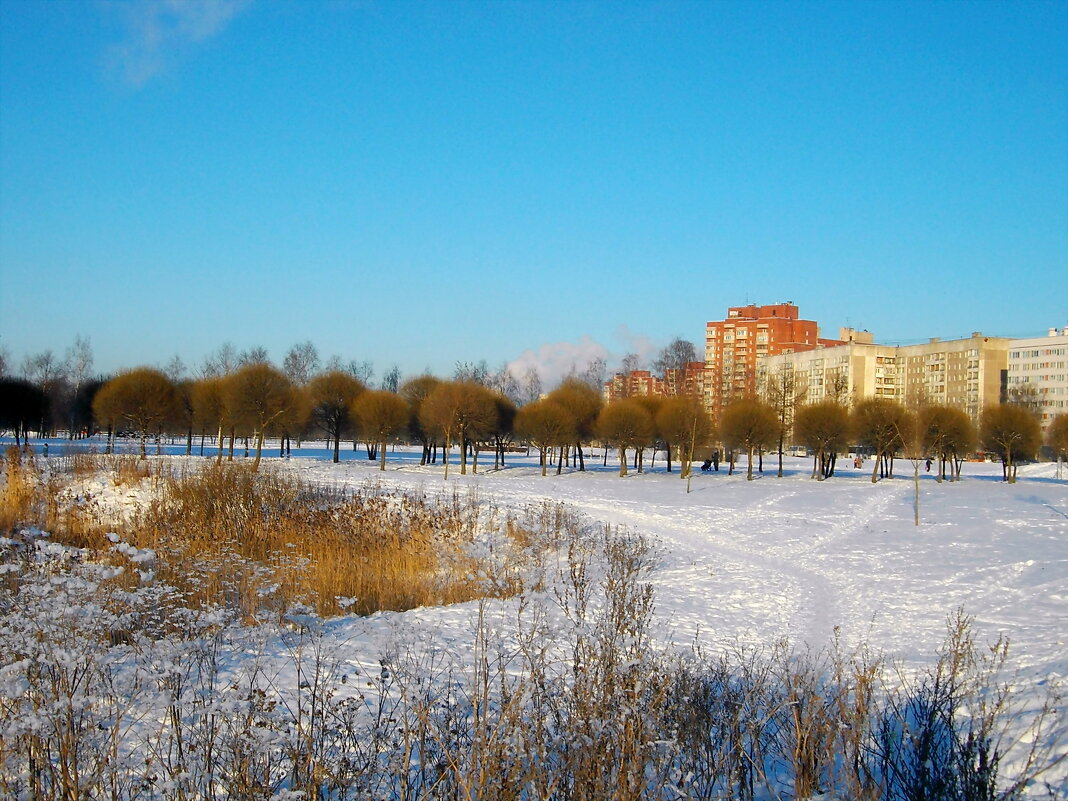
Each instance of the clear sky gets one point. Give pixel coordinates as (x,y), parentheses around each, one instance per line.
(433,182)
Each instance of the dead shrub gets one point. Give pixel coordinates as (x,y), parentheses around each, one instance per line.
(21,490)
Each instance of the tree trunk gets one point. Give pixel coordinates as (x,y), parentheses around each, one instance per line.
(581,458)
(544,459)
(622,460)
(781,443)
(916,491)
(259,450)
(382,456)
(337,447)
(463,456)
(876,468)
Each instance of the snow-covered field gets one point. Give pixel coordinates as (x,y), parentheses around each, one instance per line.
(751,563)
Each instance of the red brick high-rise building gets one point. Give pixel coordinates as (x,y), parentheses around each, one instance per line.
(749,333)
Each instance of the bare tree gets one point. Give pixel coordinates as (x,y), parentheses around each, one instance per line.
(175,369)
(502,432)
(784,395)
(415,391)
(531,385)
(627,424)
(22,405)
(504,382)
(43,369)
(257,354)
(674,356)
(361,369)
(380,416)
(948,433)
(331,395)
(749,424)
(1013,433)
(582,403)
(472,372)
(596,373)
(301,362)
(630,363)
(258,396)
(5,360)
(546,424)
(48,373)
(392,379)
(1057,439)
(221,362)
(883,426)
(685,426)
(823,428)
(78,364)
(209,409)
(1027,396)
(144,399)
(462,412)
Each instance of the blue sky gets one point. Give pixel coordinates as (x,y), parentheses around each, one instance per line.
(427,183)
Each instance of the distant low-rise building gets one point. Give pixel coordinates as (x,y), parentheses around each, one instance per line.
(1037,374)
(689,380)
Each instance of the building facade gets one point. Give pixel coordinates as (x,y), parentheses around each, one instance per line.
(689,380)
(1037,374)
(965,373)
(968,374)
(735,345)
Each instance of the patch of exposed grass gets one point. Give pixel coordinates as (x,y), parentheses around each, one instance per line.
(259,542)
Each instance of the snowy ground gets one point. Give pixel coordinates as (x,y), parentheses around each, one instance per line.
(755,562)
(752,563)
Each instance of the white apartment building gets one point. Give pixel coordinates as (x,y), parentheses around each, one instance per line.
(966,373)
(1038,373)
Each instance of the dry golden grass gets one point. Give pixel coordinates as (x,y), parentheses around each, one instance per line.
(260,542)
(20,491)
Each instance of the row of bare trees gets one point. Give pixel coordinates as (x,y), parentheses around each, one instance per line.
(243,396)
(943,434)
(573,414)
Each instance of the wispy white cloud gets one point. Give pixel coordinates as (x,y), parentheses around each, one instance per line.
(634,342)
(161,33)
(555,361)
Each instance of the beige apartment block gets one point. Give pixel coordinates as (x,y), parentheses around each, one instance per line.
(856,369)
(965,373)
(1038,374)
